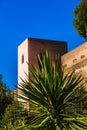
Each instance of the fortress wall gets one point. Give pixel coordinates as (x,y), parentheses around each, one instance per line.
(75,56)
(77,60)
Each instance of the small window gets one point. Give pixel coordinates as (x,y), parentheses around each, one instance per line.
(22,59)
(82,56)
(74,60)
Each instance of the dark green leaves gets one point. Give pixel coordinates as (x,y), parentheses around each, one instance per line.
(80,21)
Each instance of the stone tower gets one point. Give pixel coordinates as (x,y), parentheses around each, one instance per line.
(30,48)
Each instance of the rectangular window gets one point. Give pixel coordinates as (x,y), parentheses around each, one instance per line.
(22,58)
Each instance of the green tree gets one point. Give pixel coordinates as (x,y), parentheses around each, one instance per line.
(80,21)
(5,97)
(57,97)
(15,117)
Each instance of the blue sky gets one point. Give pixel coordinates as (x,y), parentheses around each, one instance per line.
(46,19)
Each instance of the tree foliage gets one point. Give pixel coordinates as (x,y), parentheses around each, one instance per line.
(80,21)
(57,96)
(15,117)
(12,114)
(5,97)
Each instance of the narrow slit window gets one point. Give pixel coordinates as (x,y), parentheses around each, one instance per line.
(22,58)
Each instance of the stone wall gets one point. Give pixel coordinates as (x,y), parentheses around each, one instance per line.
(77,60)
(75,56)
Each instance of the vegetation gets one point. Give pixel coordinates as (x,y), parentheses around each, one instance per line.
(5,97)
(58,98)
(12,114)
(15,117)
(80,21)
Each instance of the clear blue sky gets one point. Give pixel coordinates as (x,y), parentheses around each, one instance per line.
(19,19)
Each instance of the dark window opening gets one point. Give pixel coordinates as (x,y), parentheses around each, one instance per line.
(22,59)
(74,60)
(82,56)
(41,53)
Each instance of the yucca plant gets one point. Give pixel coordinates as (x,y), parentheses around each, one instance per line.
(58,97)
